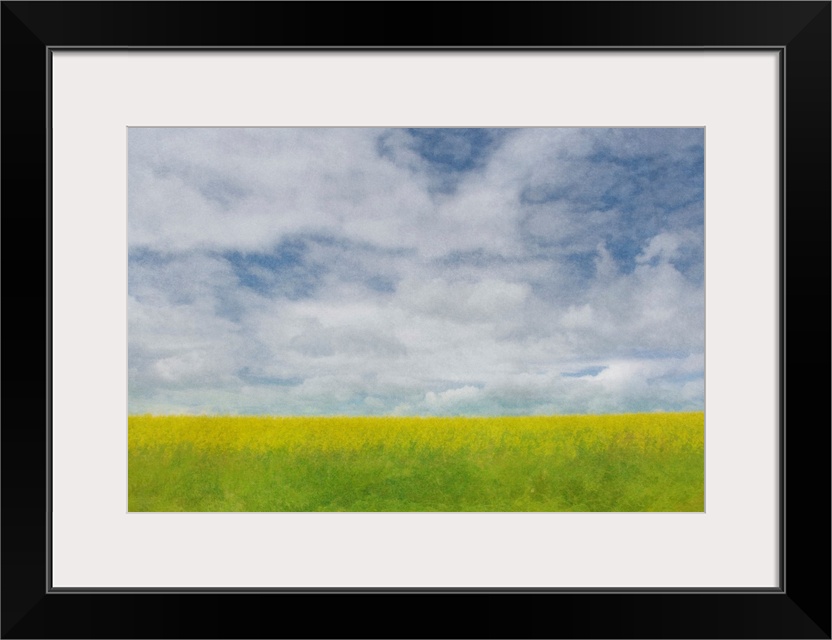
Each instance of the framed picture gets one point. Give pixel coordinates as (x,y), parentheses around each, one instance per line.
(88,552)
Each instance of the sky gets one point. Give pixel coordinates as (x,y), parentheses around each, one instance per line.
(370,271)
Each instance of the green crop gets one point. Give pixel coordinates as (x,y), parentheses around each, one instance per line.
(631,462)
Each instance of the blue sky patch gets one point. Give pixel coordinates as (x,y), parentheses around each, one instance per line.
(586,371)
(455,149)
(284,271)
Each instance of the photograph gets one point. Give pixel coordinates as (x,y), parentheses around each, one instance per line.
(373,319)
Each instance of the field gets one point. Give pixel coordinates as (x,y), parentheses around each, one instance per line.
(633,462)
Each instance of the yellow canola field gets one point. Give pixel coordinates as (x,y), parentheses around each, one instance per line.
(664,432)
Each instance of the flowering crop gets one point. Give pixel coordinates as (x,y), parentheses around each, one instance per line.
(630,462)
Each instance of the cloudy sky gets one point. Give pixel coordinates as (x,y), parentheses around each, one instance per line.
(300,271)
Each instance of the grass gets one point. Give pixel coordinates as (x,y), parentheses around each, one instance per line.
(632,462)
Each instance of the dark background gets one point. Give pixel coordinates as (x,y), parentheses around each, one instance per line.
(800,609)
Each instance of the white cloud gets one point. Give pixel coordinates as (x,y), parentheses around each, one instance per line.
(668,246)
(452,398)
(470,302)
(578,317)
(406,290)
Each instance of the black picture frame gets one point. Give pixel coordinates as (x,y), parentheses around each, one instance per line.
(798,608)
